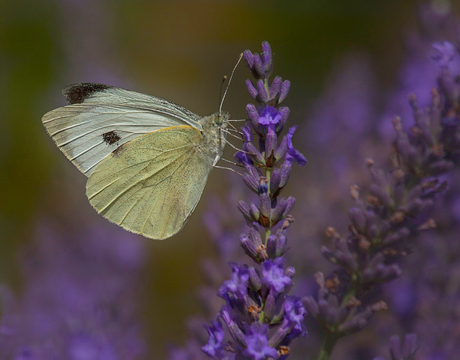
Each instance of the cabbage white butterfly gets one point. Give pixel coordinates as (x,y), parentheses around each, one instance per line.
(147,159)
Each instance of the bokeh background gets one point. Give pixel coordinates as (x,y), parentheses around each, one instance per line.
(178,50)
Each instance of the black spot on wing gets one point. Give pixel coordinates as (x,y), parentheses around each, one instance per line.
(76,94)
(110,137)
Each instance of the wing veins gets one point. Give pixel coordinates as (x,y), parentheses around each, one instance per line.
(134,184)
(132,207)
(142,162)
(164,199)
(85,151)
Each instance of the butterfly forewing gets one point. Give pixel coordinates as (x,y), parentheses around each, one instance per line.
(100,118)
(152,184)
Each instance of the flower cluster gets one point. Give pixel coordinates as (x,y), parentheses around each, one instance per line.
(78,301)
(393,212)
(261,318)
(403,351)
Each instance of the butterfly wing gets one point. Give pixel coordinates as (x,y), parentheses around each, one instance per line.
(151,185)
(101,118)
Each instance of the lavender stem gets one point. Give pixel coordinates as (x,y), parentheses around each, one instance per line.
(328,346)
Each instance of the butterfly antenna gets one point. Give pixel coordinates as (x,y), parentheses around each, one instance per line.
(221,90)
(228,84)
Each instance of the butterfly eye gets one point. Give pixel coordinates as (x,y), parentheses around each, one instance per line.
(219,120)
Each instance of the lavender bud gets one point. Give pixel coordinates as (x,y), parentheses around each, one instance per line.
(253,115)
(285,170)
(283,207)
(249,247)
(346,259)
(355,324)
(380,194)
(440,167)
(251,182)
(247,133)
(418,205)
(269,309)
(258,67)
(311,306)
(270,142)
(244,209)
(276,245)
(233,328)
(275,180)
(254,236)
(280,152)
(254,279)
(358,218)
(254,212)
(257,156)
(328,254)
(410,345)
(264,202)
(284,112)
(263,96)
(248,59)
(376,271)
(251,90)
(395,348)
(267,58)
(399,235)
(284,90)
(275,87)
(280,334)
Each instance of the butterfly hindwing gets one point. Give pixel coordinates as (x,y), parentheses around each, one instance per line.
(100,118)
(151,184)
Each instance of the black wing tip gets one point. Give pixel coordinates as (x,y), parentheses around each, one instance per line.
(78,93)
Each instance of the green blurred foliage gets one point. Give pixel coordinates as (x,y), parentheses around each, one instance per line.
(178,50)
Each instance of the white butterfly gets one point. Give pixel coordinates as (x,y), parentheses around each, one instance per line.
(147,159)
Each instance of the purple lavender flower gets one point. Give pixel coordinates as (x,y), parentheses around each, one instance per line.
(78,302)
(445,55)
(273,275)
(387,214)
(384,222)
(269,116)
(214,346)
(403,351)
(293,154)
(237,286)
(261,319)
(257,342)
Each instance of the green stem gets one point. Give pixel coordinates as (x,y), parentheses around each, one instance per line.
(352,291)
(328,346)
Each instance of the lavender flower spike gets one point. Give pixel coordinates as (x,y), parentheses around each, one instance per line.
(262,320)
(384,223)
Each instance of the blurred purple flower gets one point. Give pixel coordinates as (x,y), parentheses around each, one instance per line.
(446,53)
(79,298)
(214,347)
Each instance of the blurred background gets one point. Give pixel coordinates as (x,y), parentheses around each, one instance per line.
(177,50)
